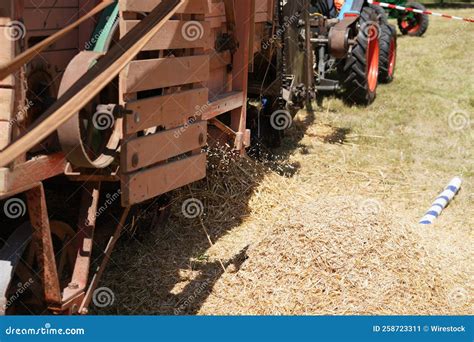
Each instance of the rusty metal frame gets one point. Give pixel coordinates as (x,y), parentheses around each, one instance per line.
(243,14)
(73,294)
(43,243)
(107,252)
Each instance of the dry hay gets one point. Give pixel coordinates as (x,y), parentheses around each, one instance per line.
(286,249)
(335,256)
(158,269)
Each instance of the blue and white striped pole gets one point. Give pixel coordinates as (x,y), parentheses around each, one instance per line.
(442,201)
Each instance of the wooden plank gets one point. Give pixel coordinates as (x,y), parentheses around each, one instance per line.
(219,81)
(224,128)
(6,104)
(5,133)
(26,175)
(140,152)
(189,7)
(261,6)
(168,111)
(7,51)
(216,22)
(165,72)
(176,34)
(217,9)
(4,21)
(261,17)
(142,185)
(220,59)
(223,104)
(89,85)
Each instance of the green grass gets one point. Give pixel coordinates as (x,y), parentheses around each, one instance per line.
(406,134)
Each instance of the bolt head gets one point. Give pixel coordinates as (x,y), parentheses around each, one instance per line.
(135,160)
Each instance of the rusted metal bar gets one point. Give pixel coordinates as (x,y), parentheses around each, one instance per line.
(224,128)
(107,252)
(43,244)
(308,58)
(84,242)
(224,103)
(240,69)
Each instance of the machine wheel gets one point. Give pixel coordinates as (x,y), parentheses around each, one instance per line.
(381,14)
(91,137)
(26,287)
(413,24)
(361,69)
(388,53)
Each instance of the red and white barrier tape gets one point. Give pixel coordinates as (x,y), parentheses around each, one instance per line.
(409,9)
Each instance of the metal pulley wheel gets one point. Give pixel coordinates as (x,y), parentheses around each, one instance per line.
(90,138)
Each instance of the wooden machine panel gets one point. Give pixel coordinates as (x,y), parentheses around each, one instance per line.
(181,83)
(7,86)
(168,144)
(44,18)
(164,89)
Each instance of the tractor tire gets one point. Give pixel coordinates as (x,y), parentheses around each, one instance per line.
(360,70)
(415,26)
(388,52)
(381,14)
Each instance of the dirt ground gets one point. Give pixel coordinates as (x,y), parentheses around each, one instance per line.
(329,224)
